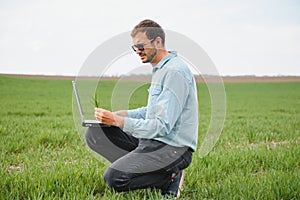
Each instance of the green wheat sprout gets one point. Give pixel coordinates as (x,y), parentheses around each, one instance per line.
(96,101)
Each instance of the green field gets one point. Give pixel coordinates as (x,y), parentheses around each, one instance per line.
(43,157)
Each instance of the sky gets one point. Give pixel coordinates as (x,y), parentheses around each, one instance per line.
(55,37)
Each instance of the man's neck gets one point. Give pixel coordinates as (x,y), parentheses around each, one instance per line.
(159,56)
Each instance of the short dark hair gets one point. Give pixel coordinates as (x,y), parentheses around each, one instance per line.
(151,28)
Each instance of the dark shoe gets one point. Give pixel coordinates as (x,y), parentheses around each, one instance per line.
(176,185)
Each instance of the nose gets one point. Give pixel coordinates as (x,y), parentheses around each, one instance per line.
(138,51)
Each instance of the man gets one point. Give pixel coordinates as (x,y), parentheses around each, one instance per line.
(150,146)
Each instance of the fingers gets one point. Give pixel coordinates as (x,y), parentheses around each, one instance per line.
(100,113)
(109,118)
(104,116)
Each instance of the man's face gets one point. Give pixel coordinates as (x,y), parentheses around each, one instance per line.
(144,47)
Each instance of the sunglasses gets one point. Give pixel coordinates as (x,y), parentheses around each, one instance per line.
(141,46)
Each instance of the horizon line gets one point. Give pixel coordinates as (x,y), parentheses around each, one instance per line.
(198,78)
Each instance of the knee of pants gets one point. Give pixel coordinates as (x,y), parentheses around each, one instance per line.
(89,137)
(117,180)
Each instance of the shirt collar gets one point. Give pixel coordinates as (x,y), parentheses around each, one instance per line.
(165,59)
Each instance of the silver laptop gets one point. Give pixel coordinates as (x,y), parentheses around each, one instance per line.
(86,123)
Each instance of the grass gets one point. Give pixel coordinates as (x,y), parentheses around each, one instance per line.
(43,157)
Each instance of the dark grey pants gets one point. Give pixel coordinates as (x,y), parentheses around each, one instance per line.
(136,163)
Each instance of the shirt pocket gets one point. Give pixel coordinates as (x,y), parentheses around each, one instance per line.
(154,92)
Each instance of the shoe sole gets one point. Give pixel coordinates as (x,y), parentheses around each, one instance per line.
(180,188)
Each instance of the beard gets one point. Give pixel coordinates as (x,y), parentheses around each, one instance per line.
(149,57)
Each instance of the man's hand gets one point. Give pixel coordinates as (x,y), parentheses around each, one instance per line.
(109,118)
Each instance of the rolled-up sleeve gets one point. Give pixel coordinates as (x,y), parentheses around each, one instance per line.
(139,113)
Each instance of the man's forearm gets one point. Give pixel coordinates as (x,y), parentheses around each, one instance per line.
(121,113)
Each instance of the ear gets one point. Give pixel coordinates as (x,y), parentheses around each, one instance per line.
(158,42)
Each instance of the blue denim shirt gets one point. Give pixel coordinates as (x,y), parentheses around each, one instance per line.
(171,115)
